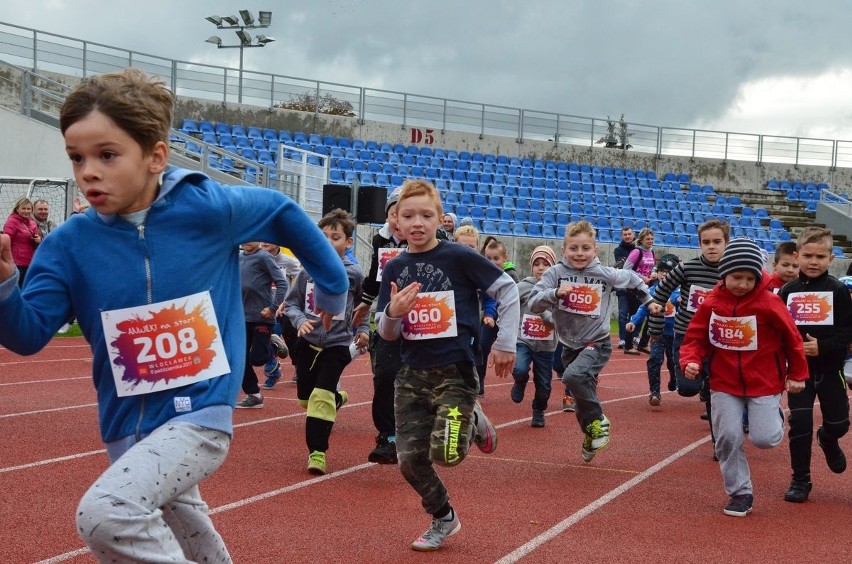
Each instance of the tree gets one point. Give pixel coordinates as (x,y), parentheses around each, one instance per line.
(616,139)
(325,104)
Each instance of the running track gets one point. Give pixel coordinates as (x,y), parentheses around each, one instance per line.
(654,494)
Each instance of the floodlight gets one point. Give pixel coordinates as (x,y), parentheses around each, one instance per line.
(247,16)
(231,20)
(215,20)
(265,18)
(245,38)
(264,39)
(215,40)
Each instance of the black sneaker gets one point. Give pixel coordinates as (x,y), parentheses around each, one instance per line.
(385,451)
(655,400)
(537,418)
(633,352)
(798,490)
(739,505)
(518,390)
(834,456)
(251,402)
(672,384)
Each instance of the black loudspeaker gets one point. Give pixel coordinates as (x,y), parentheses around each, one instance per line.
(371,204)
(336,196)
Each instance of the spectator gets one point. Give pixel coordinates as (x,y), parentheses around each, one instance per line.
(23,231)
(41,211)
(620,254)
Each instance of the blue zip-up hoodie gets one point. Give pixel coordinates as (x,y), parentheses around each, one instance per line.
(187,244)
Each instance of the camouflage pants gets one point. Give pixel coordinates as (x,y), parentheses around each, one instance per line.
(434,416)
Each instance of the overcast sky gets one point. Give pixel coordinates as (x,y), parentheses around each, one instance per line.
(779,67)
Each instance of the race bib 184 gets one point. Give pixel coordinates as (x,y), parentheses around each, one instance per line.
(164,345)
(432,317)
(811,308)
(733,333)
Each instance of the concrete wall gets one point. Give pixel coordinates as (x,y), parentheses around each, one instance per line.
(31,148)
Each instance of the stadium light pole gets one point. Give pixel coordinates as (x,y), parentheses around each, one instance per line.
(264,20)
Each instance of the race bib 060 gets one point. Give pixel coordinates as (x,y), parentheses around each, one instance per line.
(432,317)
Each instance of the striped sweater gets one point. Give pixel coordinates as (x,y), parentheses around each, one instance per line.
(695,278)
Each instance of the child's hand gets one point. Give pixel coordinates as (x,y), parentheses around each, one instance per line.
(562,291)
(359,313)
(307,327)
(794,387)
(655,308)
(488,320)
(811,346)
(402,301)
(361,340)
(630,326)
(7,265)
(280,311)
(503,362)
(691,371)
(266,313)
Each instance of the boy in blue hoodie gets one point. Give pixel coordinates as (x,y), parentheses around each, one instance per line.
(321,353)
(661,346)
(164,318)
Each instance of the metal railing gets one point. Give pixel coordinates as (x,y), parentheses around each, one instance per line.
(56,53)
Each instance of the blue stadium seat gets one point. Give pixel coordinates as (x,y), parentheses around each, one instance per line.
(503,228)
(519,229)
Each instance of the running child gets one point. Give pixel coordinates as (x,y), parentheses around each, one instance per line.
(429,297)
(754,353)
(822,310)
(536,340)
(166,331)
(579,292)
(322,353)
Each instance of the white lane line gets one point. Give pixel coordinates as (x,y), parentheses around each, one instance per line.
(40,411)
(54,380)
(51,461)
(564,525)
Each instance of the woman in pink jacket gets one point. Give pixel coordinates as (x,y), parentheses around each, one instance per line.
(23,231)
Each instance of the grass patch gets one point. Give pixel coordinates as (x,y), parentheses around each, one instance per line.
(73,332)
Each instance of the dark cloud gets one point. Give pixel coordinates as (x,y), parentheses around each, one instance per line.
(664,62)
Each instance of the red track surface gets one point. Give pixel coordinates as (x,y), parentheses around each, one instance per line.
(654,494)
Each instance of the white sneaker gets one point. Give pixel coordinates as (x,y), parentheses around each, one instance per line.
(438,531)
(64,329)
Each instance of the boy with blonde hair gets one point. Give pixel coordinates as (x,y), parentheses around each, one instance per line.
(579,291)
(822,309)
(429,296)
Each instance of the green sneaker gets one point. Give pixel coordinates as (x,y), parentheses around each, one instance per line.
(597,437)
(316,463)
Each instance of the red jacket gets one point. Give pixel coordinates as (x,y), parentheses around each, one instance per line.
(774,283)
(21,231)
(725,327)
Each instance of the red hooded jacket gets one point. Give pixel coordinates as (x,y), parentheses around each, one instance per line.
(751,342)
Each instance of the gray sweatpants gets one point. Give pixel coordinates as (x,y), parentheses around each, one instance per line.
(146,506)
(766,430)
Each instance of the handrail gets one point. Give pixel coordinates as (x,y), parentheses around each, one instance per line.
(44,51)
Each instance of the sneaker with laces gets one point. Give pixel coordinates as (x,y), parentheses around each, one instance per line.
(437,533)
(739,505)
(655,400)
(834,456)
(272,368)
(568,404)
(518,390)
(385,451)
(485,435)
(621,344)
(316,463)
(270,382)
(798,490)
(537,418)
(597,437)
(281,350)
(251,402)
